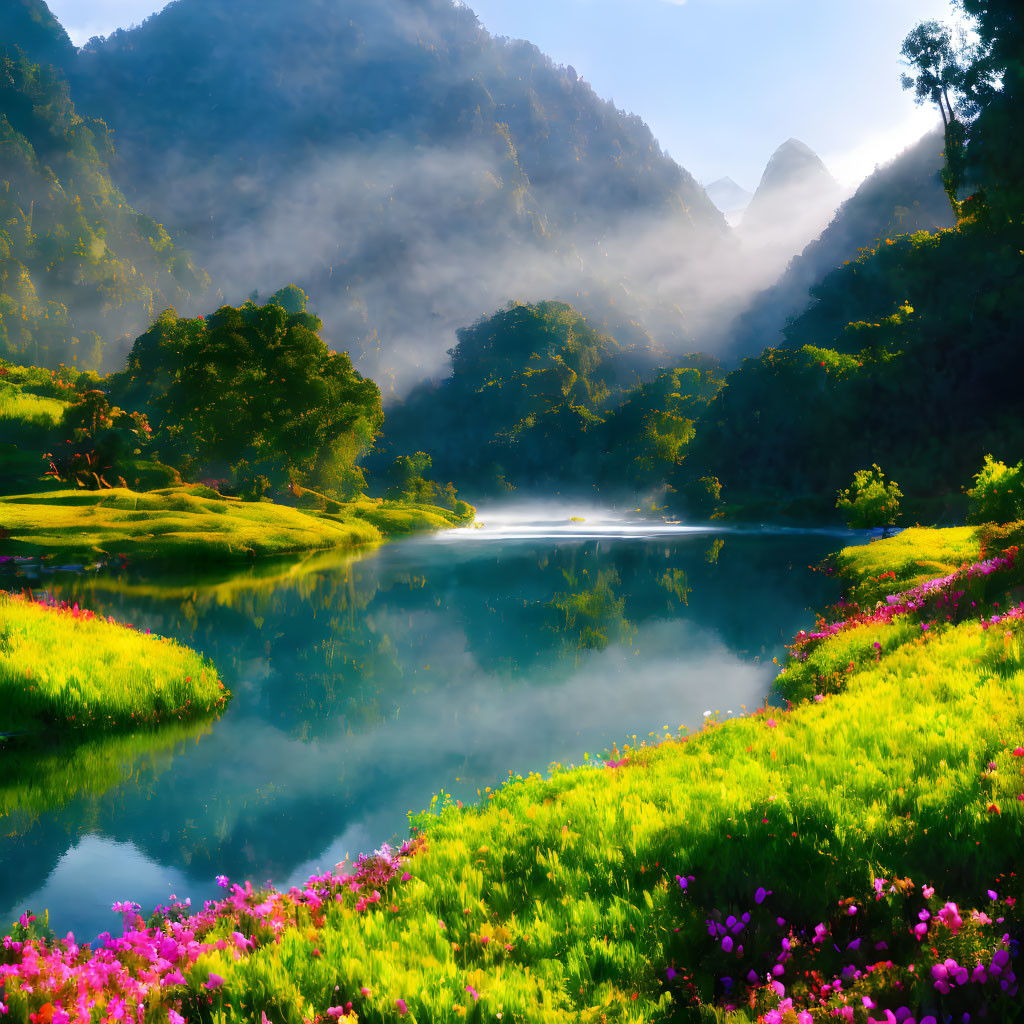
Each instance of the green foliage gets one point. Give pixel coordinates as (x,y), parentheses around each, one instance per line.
(646,436)
(65,668)
(31,26)
(869,501)
(77,263)
(291,298)
(913,366)
(101,440)
(407,478)
(552,402)
(255,392)
(998,493)
(532,383)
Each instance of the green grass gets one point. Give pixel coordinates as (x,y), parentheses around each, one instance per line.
(60,669)
(909,558)
(32,411)
(193,522)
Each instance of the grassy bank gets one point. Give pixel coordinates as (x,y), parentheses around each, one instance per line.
(65,668)
(853,858)
(194,522)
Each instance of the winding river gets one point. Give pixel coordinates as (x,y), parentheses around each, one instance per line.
(365,684)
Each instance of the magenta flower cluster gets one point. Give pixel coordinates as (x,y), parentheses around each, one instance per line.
(836,984)
(150,964)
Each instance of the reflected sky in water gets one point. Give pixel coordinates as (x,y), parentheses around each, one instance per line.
(365,684)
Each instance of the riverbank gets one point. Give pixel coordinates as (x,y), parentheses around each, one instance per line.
(63,668)
(194,522)
(859,850)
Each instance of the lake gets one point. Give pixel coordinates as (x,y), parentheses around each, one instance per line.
(365,684)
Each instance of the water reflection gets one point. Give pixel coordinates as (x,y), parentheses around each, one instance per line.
(362,685)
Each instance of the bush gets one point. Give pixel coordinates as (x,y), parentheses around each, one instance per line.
(869,501)
(998,493)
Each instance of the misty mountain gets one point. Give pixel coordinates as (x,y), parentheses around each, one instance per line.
(794,200)
(29,25)
(407,169)
(728,196)
(902,197)
(78,264)
(793,177)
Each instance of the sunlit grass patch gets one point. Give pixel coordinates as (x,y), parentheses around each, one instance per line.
(32,411)
(188,522)
(911,557)
(63,669)
(395,517)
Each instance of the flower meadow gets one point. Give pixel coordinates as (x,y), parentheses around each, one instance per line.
(854,857)
(51,675)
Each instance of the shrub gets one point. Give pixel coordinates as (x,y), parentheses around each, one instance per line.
(998,493)
(869,501)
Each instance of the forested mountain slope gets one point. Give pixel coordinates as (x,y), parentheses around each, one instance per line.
(904,196)
(80,269)
(408,170)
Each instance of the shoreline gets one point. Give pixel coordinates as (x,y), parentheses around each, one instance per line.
(185,521)
(662,846)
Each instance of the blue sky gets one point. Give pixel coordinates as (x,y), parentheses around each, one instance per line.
(720,82)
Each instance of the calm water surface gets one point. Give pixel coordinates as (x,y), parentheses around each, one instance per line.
(364,685)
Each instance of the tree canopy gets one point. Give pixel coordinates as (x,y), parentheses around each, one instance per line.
(254,394)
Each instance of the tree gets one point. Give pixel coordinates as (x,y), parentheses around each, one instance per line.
(870,502)
(407,479)
(940,75)
(963,77)
(101,441)
(253,392)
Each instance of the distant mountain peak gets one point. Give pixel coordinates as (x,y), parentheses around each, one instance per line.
(727,195)
(794,163)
